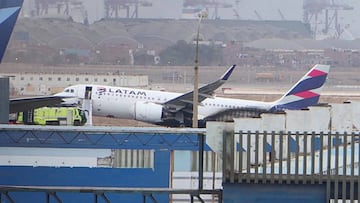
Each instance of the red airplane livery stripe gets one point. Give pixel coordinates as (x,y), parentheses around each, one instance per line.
(306,94)
(316,73)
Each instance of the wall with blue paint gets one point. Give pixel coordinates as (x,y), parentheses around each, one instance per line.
(273,193)
(97,177)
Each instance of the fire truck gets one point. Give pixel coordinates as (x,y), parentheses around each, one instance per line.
(53,116)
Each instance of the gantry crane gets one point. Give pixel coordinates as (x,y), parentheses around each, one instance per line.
(113,8)
(324,13)
(64,7)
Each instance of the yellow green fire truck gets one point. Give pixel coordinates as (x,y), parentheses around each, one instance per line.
(53,116)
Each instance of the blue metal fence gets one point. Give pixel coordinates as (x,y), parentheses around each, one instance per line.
(161,140)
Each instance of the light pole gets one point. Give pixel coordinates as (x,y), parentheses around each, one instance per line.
(196,75)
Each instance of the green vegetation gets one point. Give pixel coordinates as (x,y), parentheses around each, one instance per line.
(183,53)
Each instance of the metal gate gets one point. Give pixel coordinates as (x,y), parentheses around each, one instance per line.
(330,160)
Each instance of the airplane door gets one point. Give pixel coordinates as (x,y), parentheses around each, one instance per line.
(88,104)
(88,92)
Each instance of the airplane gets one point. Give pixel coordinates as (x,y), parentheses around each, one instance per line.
(175,109)
(9,11)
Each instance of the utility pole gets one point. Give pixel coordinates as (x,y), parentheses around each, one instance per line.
(196,76)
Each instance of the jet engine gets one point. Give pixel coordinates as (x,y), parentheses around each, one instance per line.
(148,112)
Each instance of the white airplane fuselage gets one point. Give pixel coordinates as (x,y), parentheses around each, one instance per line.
(174,109)
(121,102)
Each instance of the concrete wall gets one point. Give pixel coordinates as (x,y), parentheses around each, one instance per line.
(343,117)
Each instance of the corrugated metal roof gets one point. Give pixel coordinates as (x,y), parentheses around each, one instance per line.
(301,44)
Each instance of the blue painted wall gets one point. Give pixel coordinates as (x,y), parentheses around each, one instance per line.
(273,193)
(111,177)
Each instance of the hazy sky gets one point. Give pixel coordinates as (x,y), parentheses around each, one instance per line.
(267,9)
(172,9)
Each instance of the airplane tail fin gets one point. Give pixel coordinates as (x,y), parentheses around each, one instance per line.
(306,92)
(9,11)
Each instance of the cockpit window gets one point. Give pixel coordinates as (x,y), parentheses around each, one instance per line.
(69,90)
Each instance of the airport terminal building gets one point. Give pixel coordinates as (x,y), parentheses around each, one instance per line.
(46,83)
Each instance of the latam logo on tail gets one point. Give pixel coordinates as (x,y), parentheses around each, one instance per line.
(306,92)
(315,79)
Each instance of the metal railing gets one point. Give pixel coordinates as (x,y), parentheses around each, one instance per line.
(294,158)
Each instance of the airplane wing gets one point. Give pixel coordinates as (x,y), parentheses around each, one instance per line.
(24,104)
(185,101)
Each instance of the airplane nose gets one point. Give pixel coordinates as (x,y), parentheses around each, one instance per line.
(61,94)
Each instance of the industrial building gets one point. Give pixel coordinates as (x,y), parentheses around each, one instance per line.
(47,83)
